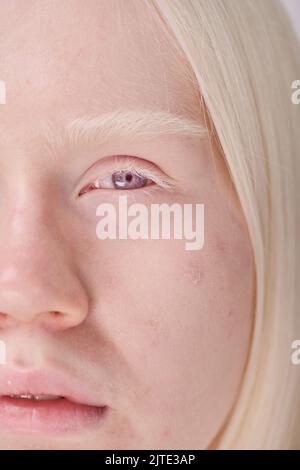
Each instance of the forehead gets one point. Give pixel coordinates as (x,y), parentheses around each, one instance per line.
(67,58)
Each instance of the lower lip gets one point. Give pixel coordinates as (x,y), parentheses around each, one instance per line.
(49,416)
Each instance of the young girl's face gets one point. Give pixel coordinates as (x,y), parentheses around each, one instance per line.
(156,333)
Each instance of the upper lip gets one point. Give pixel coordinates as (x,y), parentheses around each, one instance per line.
(46,382)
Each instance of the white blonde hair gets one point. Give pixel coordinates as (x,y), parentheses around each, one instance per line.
(245,57)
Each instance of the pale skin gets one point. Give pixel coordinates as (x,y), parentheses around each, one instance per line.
(159,333)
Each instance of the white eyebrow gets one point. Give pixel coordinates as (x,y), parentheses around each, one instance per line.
(129,123)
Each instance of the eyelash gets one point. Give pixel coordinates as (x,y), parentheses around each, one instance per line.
(130,165)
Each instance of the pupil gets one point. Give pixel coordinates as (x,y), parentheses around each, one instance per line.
(126,180)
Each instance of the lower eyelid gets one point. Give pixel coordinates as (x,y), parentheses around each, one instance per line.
(89,187)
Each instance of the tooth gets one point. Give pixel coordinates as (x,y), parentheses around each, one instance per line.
(24,396)
(47,397)
(29,396)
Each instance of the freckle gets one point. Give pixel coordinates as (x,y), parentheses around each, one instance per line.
(221,245)
(151,322)
(230,324)
(154,343)
(194,272)
(167,433)
(109,282)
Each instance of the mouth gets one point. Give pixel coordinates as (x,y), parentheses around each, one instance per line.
(44,403)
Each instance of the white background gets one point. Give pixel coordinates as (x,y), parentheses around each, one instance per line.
(293,8)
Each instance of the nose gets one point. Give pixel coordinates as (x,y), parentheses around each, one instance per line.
(38,281)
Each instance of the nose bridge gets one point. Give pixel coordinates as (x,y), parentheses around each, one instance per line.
(27,230)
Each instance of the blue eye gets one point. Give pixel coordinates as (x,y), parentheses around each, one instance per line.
(122,179)
(128,180)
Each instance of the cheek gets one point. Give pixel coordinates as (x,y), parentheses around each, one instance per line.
(203,333)
(181,322)
(156,294)
(220,279)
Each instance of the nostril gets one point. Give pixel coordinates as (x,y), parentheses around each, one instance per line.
(5,320)
(51,320)
(56,314)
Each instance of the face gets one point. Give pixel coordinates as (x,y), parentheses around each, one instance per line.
(146,341)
